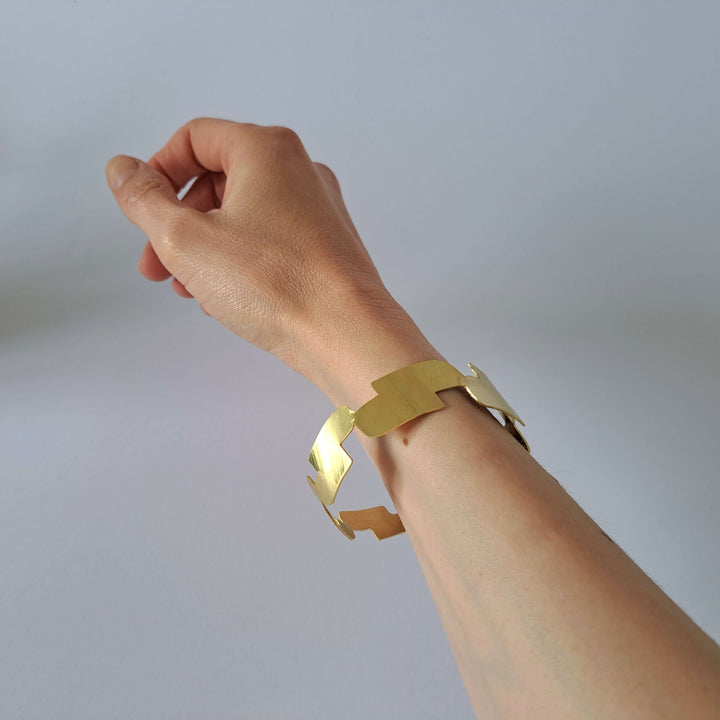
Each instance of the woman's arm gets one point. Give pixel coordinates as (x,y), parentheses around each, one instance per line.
(546,616)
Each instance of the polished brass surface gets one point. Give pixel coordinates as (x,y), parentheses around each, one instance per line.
(483,392)
(379,520)
(328,457)
(345,529)
(402,395)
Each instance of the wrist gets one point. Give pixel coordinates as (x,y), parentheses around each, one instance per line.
(343,353)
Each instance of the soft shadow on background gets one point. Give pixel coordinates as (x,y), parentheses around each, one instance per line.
(537,183)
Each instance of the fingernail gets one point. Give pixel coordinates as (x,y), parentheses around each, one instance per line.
(119,169)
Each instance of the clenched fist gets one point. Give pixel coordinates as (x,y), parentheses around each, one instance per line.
(264,242)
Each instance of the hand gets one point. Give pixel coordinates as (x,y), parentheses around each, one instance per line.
(262,240)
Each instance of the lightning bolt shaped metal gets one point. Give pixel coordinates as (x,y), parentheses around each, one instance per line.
(402,395)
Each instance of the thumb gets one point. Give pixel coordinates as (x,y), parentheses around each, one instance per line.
(145,196)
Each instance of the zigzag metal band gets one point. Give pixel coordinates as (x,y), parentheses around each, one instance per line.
(401,396)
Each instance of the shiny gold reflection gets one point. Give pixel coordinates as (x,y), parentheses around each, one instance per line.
(402,395)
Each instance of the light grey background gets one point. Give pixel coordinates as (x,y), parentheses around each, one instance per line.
(538,184)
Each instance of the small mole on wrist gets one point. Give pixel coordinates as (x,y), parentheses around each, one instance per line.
(405,441)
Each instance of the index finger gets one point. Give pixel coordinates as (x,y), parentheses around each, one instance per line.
(200,145)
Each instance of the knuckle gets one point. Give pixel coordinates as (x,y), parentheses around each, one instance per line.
(138,191)
(327,174)
(175,232)
(285,138)
(195,122)
(285,134)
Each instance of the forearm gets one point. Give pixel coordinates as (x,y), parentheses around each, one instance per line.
(542,610)
(545,615)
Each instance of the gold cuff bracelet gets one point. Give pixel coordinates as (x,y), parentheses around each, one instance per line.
(402,395)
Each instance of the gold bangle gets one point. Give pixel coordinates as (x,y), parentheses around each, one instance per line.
(402,395)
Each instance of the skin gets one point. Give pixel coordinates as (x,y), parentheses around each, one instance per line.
(545,615)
